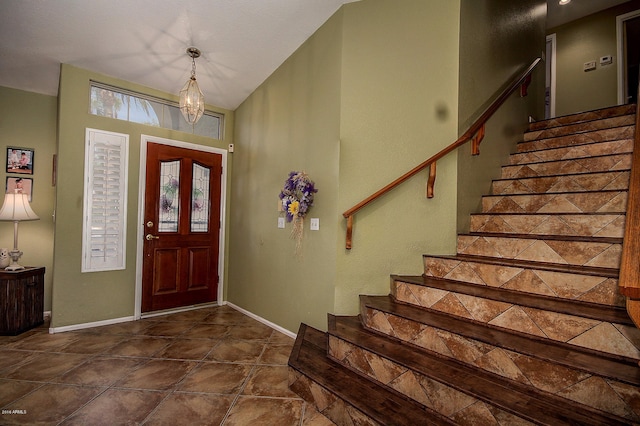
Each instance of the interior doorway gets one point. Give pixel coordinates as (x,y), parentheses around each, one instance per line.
(628,39)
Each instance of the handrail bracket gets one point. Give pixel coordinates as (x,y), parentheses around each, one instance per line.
(432,179)
(475,141)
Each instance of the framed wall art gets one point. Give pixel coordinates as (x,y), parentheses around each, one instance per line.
(20,160)
(23,184)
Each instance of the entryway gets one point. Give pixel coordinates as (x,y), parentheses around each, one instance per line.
(181,215)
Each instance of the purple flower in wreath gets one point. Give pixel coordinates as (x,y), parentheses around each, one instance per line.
(297,195)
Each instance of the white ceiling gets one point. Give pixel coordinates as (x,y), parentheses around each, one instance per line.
(145,41)
(558,15)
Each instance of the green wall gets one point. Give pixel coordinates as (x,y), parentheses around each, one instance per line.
(89,297)
(398,107)
(29,120)
(497,41)
(358,104)
(291,122)
(582,41)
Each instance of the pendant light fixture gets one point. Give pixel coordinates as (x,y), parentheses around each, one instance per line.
(191,97)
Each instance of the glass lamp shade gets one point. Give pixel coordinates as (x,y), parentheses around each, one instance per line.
(191,101)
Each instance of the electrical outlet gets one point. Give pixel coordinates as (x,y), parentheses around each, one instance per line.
(281,222)
(315,224)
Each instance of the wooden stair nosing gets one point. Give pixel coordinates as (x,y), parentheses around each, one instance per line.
(518,399)
(378,403)
(569,238)
(614,366)
(606,313)
(529,264)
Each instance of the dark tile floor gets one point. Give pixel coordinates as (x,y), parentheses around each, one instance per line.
(211,366)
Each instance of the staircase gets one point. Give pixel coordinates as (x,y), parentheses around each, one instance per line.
(524,325)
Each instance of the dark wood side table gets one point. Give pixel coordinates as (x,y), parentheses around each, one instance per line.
(21,300)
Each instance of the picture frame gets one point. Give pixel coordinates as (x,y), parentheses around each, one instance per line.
(16,182)
(20,160)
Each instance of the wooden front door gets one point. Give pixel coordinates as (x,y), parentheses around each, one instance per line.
(182,227)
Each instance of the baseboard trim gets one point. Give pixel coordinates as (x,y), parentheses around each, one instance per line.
(74,327)
(262,320)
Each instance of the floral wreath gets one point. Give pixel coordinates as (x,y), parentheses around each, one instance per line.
(297,198)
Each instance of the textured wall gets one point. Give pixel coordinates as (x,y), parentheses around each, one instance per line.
(35,129)
(497,40)
(582,41)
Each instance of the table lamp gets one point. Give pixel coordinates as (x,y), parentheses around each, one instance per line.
(15,209)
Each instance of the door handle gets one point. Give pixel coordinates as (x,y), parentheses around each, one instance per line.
(150,237)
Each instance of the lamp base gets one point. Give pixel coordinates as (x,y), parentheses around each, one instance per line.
(14,266)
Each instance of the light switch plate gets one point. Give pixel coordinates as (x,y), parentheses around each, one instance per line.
(315,224)
(589,66)
(281,222)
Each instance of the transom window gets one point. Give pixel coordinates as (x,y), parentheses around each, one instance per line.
(109,101)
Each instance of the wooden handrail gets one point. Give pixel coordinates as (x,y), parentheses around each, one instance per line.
(629,279)
(474,134)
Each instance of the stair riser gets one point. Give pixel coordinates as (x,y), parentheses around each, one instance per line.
(595,289)
(626,132)
(583,117)
(616,162)
(581,151)
(583,332)
(579,253)
(569,129)
(582,202)
(558,184)
(440,397)
(607,395)
(601,225)
(326,402)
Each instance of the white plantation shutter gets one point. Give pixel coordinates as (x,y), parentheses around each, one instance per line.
(105,201)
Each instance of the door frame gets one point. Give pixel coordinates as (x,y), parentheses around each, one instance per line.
(144,140)
(621,63)
(550,74)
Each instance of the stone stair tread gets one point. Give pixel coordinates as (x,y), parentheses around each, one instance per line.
(583,117)
(561,176)
(518,399)
(573,238)
(543,148)
(607,313)
(613,366)
(528,264)
(607,200)
(597,135)
(583,127)
(309,357)
(569,160)
(576,224)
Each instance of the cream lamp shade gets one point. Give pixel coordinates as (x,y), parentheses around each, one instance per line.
(16,208)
